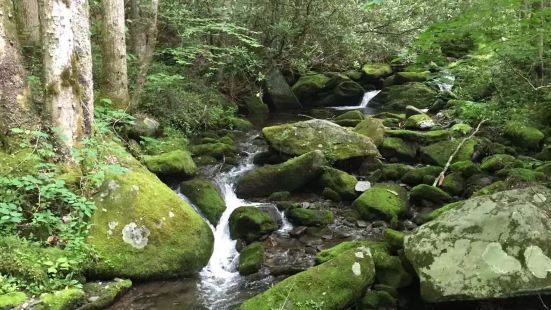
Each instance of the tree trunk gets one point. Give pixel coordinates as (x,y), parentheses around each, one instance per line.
(115,75)
(68,68)
(28,22)
(148,17)
(138,29)
(15,108)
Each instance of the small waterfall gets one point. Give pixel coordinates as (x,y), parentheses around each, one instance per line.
(446,81)
(368,96)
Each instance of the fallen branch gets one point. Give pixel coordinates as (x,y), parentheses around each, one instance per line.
(440,179)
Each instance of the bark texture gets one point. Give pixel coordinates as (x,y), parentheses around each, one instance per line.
(115,76)
(28,22)
(68,67)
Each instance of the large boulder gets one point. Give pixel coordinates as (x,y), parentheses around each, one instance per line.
(141,229)
(250,223)
(309,217)
(320,90)
(398,149)
(279,92)
(251,258)
(523,136)
(332,285)
(383,201)
(309,86)
(288,176)
(398,97)
(372,128)
(488,247)
(177,163)
(336,142)
(374,73)
(345,93)
(205,195)
(339,181)
(439,153)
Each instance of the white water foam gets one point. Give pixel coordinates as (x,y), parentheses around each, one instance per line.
(368,96)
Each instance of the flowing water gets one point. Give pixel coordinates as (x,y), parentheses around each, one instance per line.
(368,96)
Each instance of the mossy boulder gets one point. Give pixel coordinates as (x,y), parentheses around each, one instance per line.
(439,153)
(425,175)
(423,137)
(466,168)
(375,72)
(497,162)
(350,118)
(493,188)
(521,175)
(461,130)
(522,136)
(251,258)
(545,169)
(339,181)
(377,300)
(288,176)
(419,122)
(398,97)
(309,217)
(250,224)
(332,252)
(336,142)
(454,184)
(280,196)
(408,77)
(141,229)
(205,195)
(497,246)
(383,201)
(345,93)
(258,110)
(398,149)
(372,128)
(394,171)
(12,300)
(67,299)
(176,163)
(309,86)
(545,154)
(101,295)
(331,194)
(395,239)
(427,217)
(331,285)
(217,150)
(279,92)
(429,193)
(240,124)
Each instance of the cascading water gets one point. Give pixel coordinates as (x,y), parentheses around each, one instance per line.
(368,96)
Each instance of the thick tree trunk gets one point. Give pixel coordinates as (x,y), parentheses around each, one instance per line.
(15,108)
(138,29)
(68,67)
(115,75)
(28,22)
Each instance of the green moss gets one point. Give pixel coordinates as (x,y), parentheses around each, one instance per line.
(395,239)
(454,184)
(22,162)
(309,217)
(466,168)
(240,124)
(521,175)
(206,197)
(217,150)
(296,173)
(339,181)
(523,136)
(250,224)
(12,300)
(408,77)
(491,189)
(141,229)
(439,153)
(280,196)
(331,285)
(309,86)
(376,299)
(104,294)
(332,195)
(175,163)
(66,299)
(461,130)
(328,254)
(394,171)
(397,97)
(421,175)
(419,122)
(419,136)
(430,193)
(251,258)
(258,110)
(436,213)
(399,149)
(545,169)
(383,201)
(497,162)
(372,128)
(351,115)
(376,71)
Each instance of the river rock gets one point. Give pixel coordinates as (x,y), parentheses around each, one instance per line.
(398,97)
(339,181)
(309,86)
(141,230)
(372,128)
(309,217)
(250,224)
(439,153)
(258,110)
(287,176)
(421,175)
(375,73)
(408,77)
(488,247)
(383,201)
(424,137)
(350,118)
(280,93)
(420,122)
(176,163)
(336,142)
(428,193)
(331,285)
(524,136)
(398,149)
(205,195)
(251,258)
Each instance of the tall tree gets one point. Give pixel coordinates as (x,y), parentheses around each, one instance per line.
(115,75)
(28,22)
(68,67)
(15,108)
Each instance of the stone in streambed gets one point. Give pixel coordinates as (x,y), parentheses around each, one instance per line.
(466,168)
(454,184)
(336,142)
(176,163)
(331,285)
(101,295)
(66,299)
(425,175)
(205,195)
(398,149)
(250,224)
(522,136)
(350,118)
(251,258)
(279,92)
(497,162)
(439,153)
(419,122)
(339,181)
(398,97)
(429,193)
(423,137)
(372,128)
(288,176)
(394,171)
(309,217)
(408,77)
(383,201)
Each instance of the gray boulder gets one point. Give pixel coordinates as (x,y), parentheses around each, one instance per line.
(280,92)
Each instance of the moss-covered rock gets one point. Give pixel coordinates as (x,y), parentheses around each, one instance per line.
(425,175)
(295,172)
(176,163)
(336,142)
(141,229)
(383,201)
(466,168)
(143,126)
(205,195)
(497,162)
(423,137)
(375,72)
(523,136)
(408,77)
(250,224)
(309,86)
(437,212)
(309,217)
(330,253)
(394,171)
(439,153)
(330,194)
(399,149)
(493,188)
(280,196)
(395,239)
(217,150)
(279,92)
(545,154)
(251,258)
(331,285)
(545,169)
(461,130)
(429,193)
(454,184)
(101,295)
(12,300)
(397,97)
(372,128)
(66,299)
(377,300)
(339,181)
(258,110)
(520,175)
(419,122)
(354,115)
